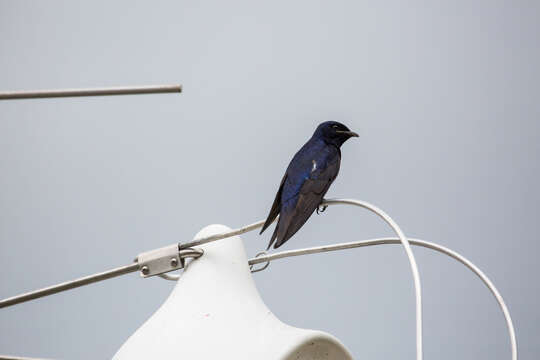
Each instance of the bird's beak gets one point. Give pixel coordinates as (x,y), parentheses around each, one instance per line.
(350,133)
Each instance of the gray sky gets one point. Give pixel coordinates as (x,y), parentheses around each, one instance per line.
(445,96)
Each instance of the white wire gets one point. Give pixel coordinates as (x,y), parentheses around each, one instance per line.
(417,242)
(410,255)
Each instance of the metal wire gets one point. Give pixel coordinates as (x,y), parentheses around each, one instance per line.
(185,253)
(124,90)
(215,237)
(410,255)
(69,285)
(261,268)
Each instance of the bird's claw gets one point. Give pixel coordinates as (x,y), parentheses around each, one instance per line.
(321,209)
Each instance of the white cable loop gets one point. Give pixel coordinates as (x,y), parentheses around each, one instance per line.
(410,255)
(417,242)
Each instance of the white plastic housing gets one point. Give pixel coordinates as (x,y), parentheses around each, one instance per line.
(215,312)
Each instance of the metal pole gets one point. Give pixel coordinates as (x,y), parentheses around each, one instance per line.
(123,90)
(69,285)
(10,357)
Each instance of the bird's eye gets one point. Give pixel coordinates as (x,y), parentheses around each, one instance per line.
(335,126)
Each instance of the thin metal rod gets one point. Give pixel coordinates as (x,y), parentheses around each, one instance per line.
(211,238)
(124,90)
(69,285)
(10,357)
(416,242)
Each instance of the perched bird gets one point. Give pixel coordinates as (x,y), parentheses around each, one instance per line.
(307,179)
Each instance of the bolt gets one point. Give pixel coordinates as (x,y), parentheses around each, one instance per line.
(174,262)
(145,270)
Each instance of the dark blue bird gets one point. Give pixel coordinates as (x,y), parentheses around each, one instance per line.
(307,179)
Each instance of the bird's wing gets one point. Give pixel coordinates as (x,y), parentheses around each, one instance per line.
(309,198)
(274,211)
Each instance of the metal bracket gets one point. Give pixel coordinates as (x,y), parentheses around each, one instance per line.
(159,261)
(165,259)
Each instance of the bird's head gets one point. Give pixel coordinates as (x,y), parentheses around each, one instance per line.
(333,132)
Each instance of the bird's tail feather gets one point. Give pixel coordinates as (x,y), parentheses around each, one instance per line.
(276,206)
(273,238)
(274,212)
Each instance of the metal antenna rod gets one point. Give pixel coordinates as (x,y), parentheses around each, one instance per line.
(122,90)
(150,263)
(11,357)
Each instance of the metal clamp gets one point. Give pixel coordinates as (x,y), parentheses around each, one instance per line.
(165,259)
(261,268)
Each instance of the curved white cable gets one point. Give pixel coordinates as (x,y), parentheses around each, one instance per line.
(410,255)
(417,242)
